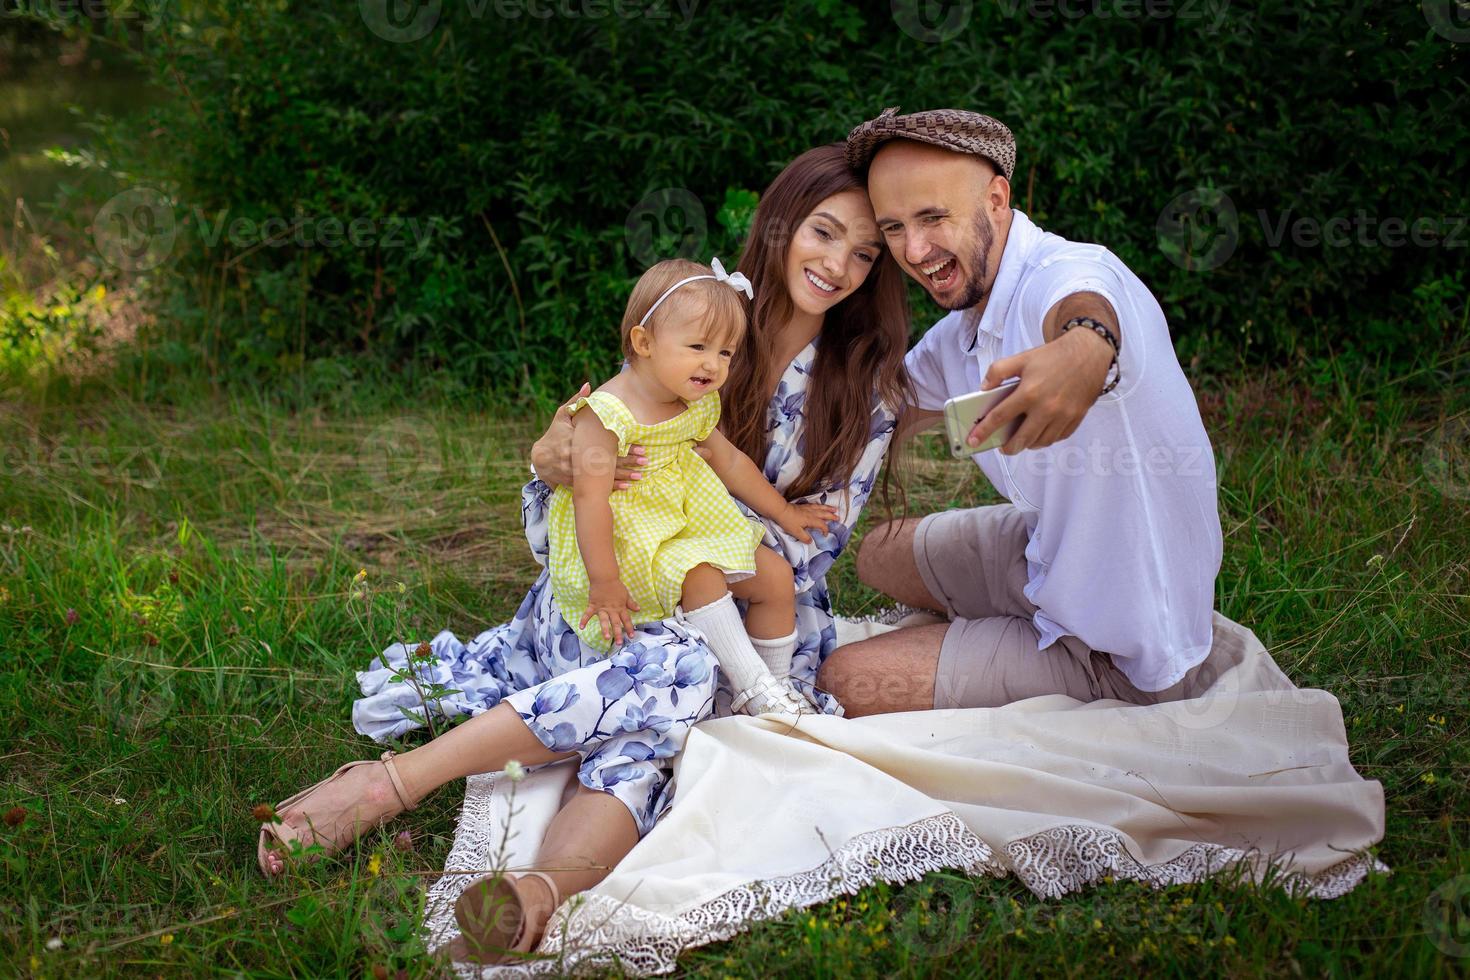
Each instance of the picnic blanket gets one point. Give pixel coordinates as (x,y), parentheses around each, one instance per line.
(1251,777)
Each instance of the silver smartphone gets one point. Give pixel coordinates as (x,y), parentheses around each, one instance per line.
(962,412)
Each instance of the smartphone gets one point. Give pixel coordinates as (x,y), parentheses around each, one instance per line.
(962,412)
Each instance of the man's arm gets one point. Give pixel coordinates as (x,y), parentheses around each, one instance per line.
(1060,380)
(913,419)
(1092,305)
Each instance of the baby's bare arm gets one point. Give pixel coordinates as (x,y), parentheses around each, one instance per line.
(594,452)
(742,477)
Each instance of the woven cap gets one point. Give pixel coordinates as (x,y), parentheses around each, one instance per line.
(953,129)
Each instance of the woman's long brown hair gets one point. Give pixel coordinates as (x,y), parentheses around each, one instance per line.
(860,347)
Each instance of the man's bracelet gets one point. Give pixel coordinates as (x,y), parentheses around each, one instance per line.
(1097,327)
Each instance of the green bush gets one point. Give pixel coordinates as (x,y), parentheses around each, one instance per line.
(516,152)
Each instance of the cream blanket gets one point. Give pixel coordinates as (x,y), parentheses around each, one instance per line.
(1249,775)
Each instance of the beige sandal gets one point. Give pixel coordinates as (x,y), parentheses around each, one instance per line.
(283,834)
(492,919)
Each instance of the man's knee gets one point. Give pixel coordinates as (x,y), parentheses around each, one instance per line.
(892,672)
(842,675)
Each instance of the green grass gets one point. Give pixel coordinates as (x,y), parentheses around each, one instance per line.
(207,549)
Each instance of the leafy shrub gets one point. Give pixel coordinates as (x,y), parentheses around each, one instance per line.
(513,154)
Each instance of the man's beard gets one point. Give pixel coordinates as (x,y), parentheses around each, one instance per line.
(975,292)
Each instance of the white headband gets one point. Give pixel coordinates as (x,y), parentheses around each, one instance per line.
(736,280)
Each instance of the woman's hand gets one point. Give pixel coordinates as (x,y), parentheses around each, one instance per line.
(609,601)
(796,518)
(552,453)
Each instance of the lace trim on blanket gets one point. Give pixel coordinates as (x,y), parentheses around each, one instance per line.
(888,615)
(477,838)
(1070,857)
(590,932)
(593,932)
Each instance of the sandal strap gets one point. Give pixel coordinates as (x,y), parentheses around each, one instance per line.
(398,787)
(551,884)
(763,685)
(776,694)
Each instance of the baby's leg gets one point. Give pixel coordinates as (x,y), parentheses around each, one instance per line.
(703,584)
(710,607)
(771,618)
(771,593)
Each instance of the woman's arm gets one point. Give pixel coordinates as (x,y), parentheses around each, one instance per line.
(745,480)
(551,455)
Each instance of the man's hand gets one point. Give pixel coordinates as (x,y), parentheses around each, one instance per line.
(1059,382)
(552,453)
(796,518)
(610,602)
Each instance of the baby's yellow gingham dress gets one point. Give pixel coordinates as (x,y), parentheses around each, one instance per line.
(676,516)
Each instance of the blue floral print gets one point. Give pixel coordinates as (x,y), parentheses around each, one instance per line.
(627,714)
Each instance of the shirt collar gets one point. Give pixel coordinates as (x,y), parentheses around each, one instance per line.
(1019,242)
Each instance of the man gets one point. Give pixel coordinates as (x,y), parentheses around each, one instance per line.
(1097,579)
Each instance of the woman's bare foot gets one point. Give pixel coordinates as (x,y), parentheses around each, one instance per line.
(335,814)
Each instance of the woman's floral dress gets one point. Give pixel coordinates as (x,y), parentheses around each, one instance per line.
(627,714)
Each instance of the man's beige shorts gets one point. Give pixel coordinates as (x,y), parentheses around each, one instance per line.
(974,563)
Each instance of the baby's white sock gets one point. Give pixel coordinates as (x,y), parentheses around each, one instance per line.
(776,653)
(720,622)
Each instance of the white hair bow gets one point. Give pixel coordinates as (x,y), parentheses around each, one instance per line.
(736,280)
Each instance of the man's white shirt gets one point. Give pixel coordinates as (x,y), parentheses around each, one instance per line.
(1125,538)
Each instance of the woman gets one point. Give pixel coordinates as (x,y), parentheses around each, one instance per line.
(812,397)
